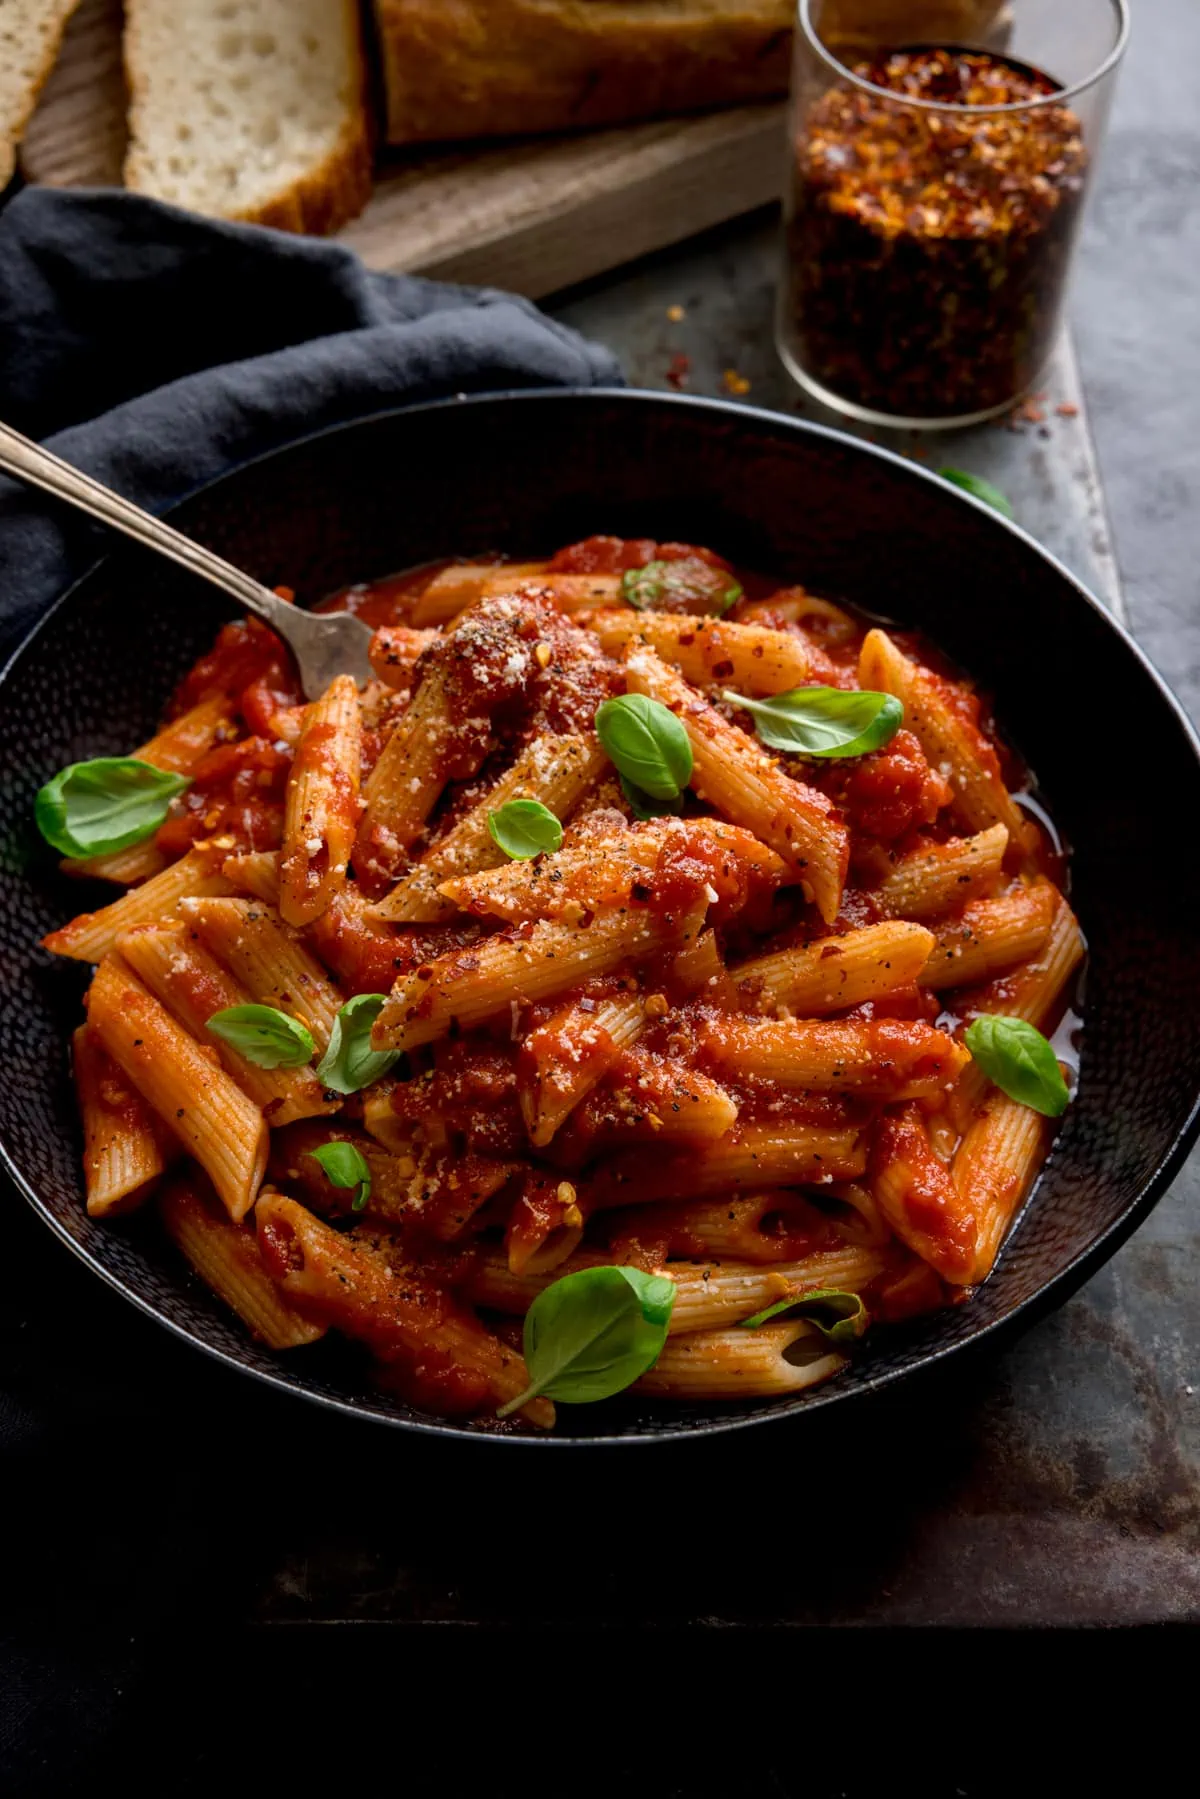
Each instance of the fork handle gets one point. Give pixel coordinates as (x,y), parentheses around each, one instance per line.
(29,462)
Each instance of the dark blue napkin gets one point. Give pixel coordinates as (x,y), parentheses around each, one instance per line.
(156,350)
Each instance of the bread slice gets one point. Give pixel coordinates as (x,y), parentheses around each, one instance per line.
(30,33)
(249,109)
(476,68)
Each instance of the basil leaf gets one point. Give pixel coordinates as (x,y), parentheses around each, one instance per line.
(593,1333)
(824,721)
(840,1317)
(690,585)
(346,1166)
(350,1064)
(95,808)
(265,1036)
(645,807)
(525,828)
(1015,1055)
(979,489)
(647,744)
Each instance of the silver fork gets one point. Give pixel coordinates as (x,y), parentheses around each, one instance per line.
(324,645)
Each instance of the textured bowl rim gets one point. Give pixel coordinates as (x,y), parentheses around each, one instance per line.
(1026,1312)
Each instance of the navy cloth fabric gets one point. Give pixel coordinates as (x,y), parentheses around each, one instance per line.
(156,350)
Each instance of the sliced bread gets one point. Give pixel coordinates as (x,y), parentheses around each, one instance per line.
(249,109)
(30,33)
(475,68)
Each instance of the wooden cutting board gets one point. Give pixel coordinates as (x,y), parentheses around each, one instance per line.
(534,216)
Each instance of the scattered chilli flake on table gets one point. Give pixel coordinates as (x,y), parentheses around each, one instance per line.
(664,961)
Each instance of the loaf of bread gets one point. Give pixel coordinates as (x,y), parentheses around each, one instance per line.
(30,34)
(481,68)
(249,109)
(864,25)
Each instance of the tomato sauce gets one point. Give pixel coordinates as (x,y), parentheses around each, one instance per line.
(236,793)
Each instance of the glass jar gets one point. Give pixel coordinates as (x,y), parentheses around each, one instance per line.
(941,152)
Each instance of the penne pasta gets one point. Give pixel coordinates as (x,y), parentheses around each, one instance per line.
(833,974)
(91,936)
(991,936)
(699,969)
(227,1258)
(322,804)
(994,1169)
(741,1364)
(125,868)
(607,866)
(123,1149)
(379,1117)
(892,1058)
(561,1061)
(469,986)
(256,873)
(268,959)
(750,1155)
(658,1098)
(545,1225)
(769,1224)
(396,650)
(180,745)
(942,877)
(454,589)
(710,652)
(182,1082)
(950,741)
(832,624)
(733,774)
(192,985)
(403,1321)
(555,770)
(708,1295)
(405,783)
(918,1197)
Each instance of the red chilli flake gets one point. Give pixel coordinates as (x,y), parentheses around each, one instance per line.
(679,370)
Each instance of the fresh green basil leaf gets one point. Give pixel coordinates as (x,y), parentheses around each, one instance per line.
(840,1317)
(592,1334)
(350,1064)
(646,743)
(263,1035)
(345,1165)
(644,806)
(642,588)
(1015,1055)
(525,828)
(824,721)
(96,808)
(979,489)
(689,585)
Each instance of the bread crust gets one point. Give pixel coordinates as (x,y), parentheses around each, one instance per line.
(328,195)
(485,68)
(14,127)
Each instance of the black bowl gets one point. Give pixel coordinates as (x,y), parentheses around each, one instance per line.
(1115,758)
